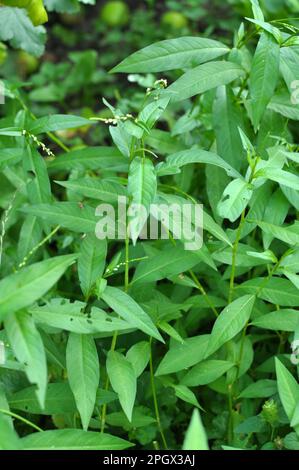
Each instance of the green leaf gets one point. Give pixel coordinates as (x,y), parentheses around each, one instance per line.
(142,186)
(281,103)
(73,439)
(152,112)
(107,191)
(29,350)
(234,199)
(282,320)
(16,27)
(38,188)
(195,438)
(227,116)
(282,177)
(172,54)
(21,289)
(275,213)
(230,322)
(127,308)
(263,76)
(195,155)
(123,380)
(9,439)
(122,138)
(83,373)
(91,158)
(174,260)
(182,356)
(206,372)
(139,355)
(62,314)
(56,122)
(261,389)
(59,400)
(184,393)
(288,234)
(289,59)
(277,291)
(203,78)
(91,262)
(288,389)
(70,215)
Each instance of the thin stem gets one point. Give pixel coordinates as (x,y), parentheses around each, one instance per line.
(231,411)
(204,293)
(20,418)
(154,392)
(234,257)
(49,134)
(115,334)
(36,247)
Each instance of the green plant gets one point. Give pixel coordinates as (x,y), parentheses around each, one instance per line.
(113,343)
(115,13)
(174,20)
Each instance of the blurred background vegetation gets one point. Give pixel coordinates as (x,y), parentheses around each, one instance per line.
(84,41)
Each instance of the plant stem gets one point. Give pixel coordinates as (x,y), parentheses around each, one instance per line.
(115,334)
(20,418)
(49,134)
(155,397)
(36,247)
(234,257)
(230,419)
(203,291)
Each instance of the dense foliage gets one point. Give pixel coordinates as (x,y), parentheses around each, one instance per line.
(106,344)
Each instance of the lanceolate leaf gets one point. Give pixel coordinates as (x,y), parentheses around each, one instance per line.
(57,122)
(73,439)
(181,356)
(123,380)
(21,289)
(227,117)
(234,199)
(127,308)
(195,438)
(230,322)
(172,54)
(29,350)
(203,78)
(172,261)
(263,76)
(72,215)
(93,188)
(288,389)
(91,158)
(142,185)
(91,262)
(278,291)
(83,373)
(174,162)
(206,372)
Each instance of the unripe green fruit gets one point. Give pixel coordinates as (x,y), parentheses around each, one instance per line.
(115,13)
(174,19)
(27,63)
(35,8)
(37,12)
(3,53)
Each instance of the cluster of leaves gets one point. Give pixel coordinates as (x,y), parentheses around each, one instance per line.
(112,343)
